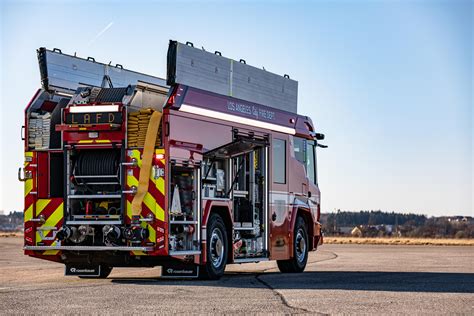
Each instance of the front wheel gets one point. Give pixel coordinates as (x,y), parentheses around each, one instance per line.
(300,250)
(216,249)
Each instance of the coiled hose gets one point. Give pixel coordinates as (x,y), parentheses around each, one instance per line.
(97,163)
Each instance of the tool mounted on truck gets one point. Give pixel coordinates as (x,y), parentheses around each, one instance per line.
(211,167)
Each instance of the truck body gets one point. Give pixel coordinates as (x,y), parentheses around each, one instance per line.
(124,169)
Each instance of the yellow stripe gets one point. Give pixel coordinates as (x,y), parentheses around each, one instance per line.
(131,180)
(28,186)
(86,141)
(160,185)
(29,154)
(51,221)
(102,141)
(51,252)
(41,205)
(159,213)
(152,232)
(28,213)
(129,209)
(150,202)
(139,253)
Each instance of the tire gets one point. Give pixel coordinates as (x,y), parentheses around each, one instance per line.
(298,262)
(104,273)
(216,249)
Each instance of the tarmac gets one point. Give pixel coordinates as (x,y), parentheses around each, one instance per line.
(339,279)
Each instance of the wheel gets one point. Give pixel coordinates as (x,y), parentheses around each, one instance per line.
(104,273)
(300,250)
(216,249)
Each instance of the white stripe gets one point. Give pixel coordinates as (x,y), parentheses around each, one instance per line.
(233,118)
(93,108)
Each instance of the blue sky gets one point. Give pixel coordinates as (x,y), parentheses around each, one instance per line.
(388,82)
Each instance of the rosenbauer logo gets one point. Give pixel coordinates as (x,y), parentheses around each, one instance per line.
(182,271)
(84,270)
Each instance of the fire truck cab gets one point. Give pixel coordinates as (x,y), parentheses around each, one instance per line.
(209,167)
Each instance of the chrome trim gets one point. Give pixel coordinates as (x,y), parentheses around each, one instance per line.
(93,222)
(88,248)
(95,196)
(185,253)
(246,260)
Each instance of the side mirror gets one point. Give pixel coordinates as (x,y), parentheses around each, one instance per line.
(319,136)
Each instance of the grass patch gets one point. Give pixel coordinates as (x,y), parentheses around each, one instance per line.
(400,241)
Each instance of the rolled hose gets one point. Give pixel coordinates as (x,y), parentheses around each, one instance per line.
(97,163)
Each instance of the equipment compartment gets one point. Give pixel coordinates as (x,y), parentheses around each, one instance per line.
(184,217)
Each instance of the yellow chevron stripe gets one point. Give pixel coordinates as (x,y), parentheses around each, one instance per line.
(160,185)
(28,213)
(152,234)
(139,253)
(136,154)
(159,212)
(28,186)
(51,252)
(131,180)
(150,202)
(51,221)
(129,209)
(41,205)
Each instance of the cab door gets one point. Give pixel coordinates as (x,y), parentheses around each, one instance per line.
(314,199)
(279,198)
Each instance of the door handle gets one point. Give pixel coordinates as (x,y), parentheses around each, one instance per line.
(26,175)
(19,176)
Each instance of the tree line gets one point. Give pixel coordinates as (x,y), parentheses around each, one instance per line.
(380,223)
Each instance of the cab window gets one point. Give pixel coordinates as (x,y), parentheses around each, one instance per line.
(311,161)
(299,149)
(279,161)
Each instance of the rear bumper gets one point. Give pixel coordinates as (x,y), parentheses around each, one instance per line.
(88,248)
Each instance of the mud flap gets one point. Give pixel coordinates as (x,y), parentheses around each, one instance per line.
(180,270)
(82,270)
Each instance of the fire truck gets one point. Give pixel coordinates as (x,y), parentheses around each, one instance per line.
(209,167)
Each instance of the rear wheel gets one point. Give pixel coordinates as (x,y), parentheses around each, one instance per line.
(300,250)
(216,249)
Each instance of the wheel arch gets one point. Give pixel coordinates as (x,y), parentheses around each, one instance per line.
(305,213)
(224,212)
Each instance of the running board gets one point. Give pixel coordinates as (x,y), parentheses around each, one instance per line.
(88,248)
(246,260)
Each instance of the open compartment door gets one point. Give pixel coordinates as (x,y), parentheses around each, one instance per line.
(65,73)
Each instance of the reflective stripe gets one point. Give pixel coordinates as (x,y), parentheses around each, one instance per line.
(28,213)
(41,204)
(51,221)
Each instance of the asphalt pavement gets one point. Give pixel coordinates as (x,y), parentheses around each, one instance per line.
(349,279)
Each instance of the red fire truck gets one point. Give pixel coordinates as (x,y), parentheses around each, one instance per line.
(211,166)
